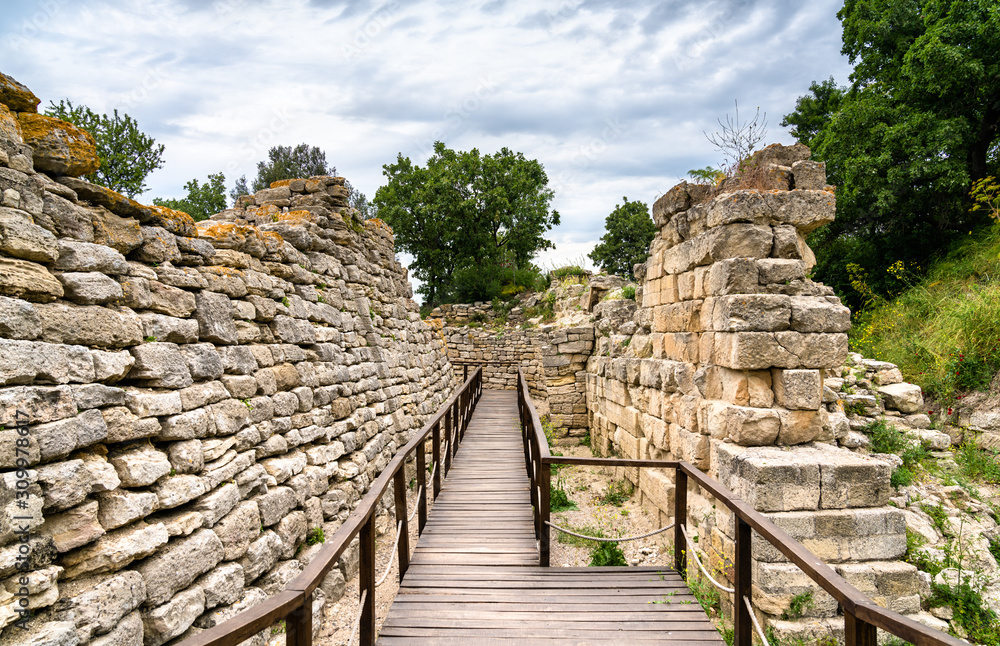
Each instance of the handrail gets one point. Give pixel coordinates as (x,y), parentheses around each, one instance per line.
(861,615)
(294,605)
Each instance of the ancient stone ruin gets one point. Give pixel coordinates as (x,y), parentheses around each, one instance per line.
(196,399)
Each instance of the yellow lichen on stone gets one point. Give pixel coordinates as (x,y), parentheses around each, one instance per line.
(9,127)
(272,241)
(59,147)
(297,216)
(280,183)
(267,213)
(176,222)
(379,224)
(16,96)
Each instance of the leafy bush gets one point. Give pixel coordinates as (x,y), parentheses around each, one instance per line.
(888,439)
(971,612)
(628,292)
(607,554)
(315,536)
(616,493)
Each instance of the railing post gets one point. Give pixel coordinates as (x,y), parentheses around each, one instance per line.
(449,423)
(544,476)
(680,518)
(436,452)
(422,488)
(742,628)
(366,581)
(402,512)
(465,372)
(858,632)
(298,625)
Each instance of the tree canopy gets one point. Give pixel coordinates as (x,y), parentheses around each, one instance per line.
(203,200)
(127,154)
(628,231)
(465,217)
(286,162)
(918,125)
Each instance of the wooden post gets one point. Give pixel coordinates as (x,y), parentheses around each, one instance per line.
(422,488)
(366,581)
(436,452)
(465,372)
(402,512)
(298,625)
(858,632)
(680,518)
(742,628)
(545,477)
(449,423)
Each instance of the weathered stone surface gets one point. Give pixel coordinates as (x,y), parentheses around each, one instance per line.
(159,327)
(120,507)
(798,389)
(223,585)
(59,147)
(99,604)
(906,398)
(177,565)
(218,503)
(123,425)
(179,489)
(139,466)
(189,425)
(16,96)
(203,360)
(90,325)
(89,257)
(18,319)
(160,365)
(21,238)
(238,529)
(158,245)
(162,624)
(73,528)
(90,288)
(28,280)
(24,362)
(52,633)
(186,456)
(115,550)
(65,484)
(260,556)
(170,300)
(215,318)
(127,632)
(111,367)
(148,403)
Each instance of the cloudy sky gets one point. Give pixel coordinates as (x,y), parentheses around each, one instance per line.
(612,97)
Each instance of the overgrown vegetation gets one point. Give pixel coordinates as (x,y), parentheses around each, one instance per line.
(559,500)
(971,612)
(315,536)
(979,465)
(616,493)
(607,554)
(888,439)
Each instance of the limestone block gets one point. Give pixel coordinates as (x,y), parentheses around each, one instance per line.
(809,175)
(751,312)
(179,489)
(90,288)
(171,300)
(776,584)
(275,504)
(162,624)
(100,603)
(177,565)
(139,466)
(123,425)
(770,479)
(813,314)
(148,403)
(158,245)
(111,367)
(801,426)
(120,507)
(65,484)
(222,585)
(215,318)
(21,238)
(16,96)
(292,532)
(28,280)
(260,556)
(852,480)
(127,632)
(840,535)
(681,346)
(58,147)
(88,257)
(23,362)
(68,219)
(216,504)
(906,398)
(161,365)
(122,234)
(52,633)
(798,389)
(203,362)
(90,325)
(776,271)
(159,327)
(692,447)
(73,528)
(18,319)
(239,528)
(115,550)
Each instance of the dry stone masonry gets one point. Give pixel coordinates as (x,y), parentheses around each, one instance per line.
(728,365)
(188,401)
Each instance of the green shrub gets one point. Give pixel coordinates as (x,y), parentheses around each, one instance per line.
(798,605)
(315,536)
(888,439)
(559,500)
(607,554)
(971,612)
(569,270)
(976,463)
(616,493)
(628,292)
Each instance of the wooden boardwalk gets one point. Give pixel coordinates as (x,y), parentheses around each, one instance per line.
(474,576)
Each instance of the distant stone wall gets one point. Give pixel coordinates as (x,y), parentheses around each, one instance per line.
(724,366)
(187,401)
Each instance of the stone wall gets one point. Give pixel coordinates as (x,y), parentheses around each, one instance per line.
(187,401)
(724,366)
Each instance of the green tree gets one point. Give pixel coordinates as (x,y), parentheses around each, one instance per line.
(625,243)
(813,112)
(917,127)
(203,200)
(239,189)
(127,154)
(286,162)
(465,217)
(359,201)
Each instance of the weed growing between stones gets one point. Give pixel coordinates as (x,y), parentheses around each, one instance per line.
(971,612)
(798,605)
(616,493)
(977,464)
(888,439)
(607,554)
(628,292)
(559,500)
(316,536)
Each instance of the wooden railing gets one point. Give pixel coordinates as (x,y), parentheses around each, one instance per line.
(862,616)
(294,604)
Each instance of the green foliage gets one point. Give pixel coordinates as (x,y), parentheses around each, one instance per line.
(586,530)
(709,175)
(887,439)
(203,200)
(628,292)
(239,189)
(943,331)
(315,536)
(466,218)
(567,271)
(916,557)
(127,154)
(971,612)
(813,113)
(938,516)
(607,554)
(917,127)
(286,162)
(706,594)
(559,500)
(798,605)
(628,230)
(616,493)
(985,194)
(977,464)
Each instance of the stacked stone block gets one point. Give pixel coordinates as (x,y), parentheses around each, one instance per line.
(725,369)
(199,396)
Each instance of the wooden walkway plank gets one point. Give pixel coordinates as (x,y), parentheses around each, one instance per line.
(474,577)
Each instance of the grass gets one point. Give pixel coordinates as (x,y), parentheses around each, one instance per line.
(943,331)
(569,270)
(887,439)
(977,464)
(315,536)
(628,292)
(587,530)
(616,493)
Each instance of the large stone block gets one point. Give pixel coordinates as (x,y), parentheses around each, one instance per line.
(21,238)
(59,147)
(90,288)
(177,565)
(28,280)
(215,318)
(750,312)
(100,603)
(904,397)
(73,528)
(840,535)
(161,365)
(798,389)
(90,325)
(115,550)
(17,96)
(162,624)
